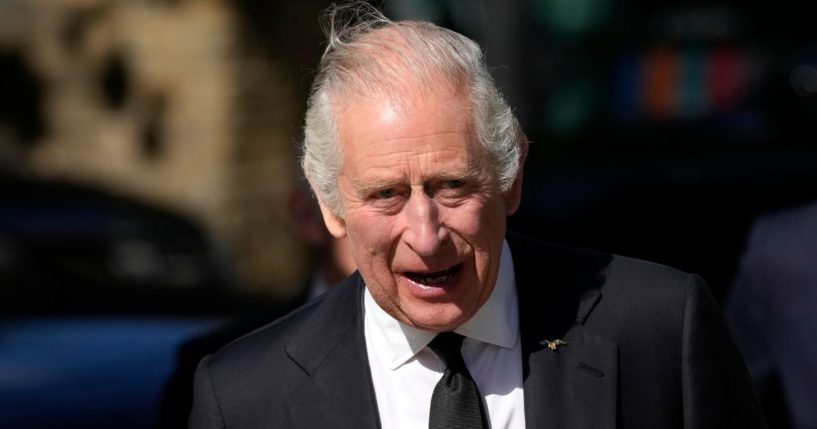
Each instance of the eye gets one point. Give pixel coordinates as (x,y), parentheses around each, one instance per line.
(385,194)
(451,190)
(453,184)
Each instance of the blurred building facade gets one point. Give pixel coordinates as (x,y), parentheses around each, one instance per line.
(176,103)
(637,111)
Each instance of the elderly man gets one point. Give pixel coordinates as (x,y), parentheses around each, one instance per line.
(452,321)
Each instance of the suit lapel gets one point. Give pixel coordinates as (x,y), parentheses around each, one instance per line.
(331,349)
(575,385)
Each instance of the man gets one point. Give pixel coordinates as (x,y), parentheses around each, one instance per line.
(771,311)
(417,160)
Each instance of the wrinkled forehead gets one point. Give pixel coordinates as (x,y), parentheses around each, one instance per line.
(403,100)
(419,121)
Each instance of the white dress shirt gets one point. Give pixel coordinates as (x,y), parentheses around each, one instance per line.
(405,371)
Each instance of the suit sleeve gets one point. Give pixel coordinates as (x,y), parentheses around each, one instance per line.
(717,391)
(206,412)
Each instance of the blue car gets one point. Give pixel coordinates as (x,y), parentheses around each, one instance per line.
(98,293)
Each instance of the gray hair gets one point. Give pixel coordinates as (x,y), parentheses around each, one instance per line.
(367,52)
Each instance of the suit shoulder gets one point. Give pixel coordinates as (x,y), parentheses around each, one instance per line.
(271,337)
(647,303)
(638,289)
(589,268)
(252,377)
(258,360)
(236,383)
(631,290)
(638,273)
(266,346)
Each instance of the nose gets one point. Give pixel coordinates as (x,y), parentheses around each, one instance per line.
(424,234)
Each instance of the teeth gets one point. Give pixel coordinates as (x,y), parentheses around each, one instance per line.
(435,278)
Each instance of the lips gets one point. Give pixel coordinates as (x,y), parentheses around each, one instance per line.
(435,278)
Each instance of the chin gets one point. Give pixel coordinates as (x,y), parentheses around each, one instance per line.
(439,318)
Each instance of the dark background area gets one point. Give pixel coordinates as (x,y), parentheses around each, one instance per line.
(690,119)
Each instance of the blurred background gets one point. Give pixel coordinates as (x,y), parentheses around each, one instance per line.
(150,192)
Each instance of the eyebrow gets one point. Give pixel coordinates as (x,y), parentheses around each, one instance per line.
(366,186)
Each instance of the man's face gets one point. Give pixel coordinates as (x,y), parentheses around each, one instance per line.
(421,205)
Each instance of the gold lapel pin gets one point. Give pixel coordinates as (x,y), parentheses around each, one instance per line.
(553,345)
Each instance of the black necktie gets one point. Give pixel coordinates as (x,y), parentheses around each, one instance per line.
(456,402)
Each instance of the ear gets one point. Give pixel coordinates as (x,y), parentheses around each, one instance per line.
(513,198)
(334,223)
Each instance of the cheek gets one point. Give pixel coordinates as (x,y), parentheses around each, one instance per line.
(468,220)
(482,226)
(370,236)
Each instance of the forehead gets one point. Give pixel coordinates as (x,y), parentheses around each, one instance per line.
(421,131)
(417,114)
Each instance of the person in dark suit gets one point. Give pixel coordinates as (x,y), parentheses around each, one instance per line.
(771,312)
(452,321)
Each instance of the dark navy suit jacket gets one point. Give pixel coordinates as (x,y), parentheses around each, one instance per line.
(772,313)
(646,348)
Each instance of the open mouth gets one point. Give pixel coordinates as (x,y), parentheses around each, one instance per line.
(437,278)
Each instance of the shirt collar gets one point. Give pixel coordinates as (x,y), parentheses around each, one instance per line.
(496,322)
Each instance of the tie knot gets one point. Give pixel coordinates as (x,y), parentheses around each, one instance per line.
(447,346)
